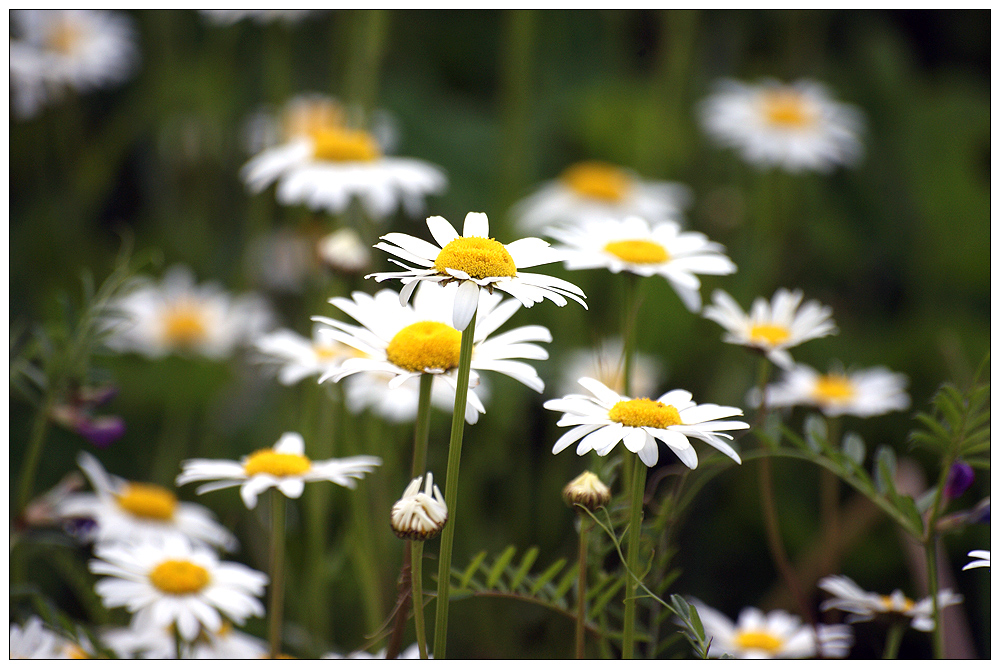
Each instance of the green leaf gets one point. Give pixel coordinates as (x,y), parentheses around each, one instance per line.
(463,582)
(606,596)
(496,571)
(854,447)
(885,470)
(548,575)
(566,582)
(979,463)
(529,559)
(816,432)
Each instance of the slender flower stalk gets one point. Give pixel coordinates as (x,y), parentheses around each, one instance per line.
(584,493)
(417,586)
(892,640)
(632,557)
(34,454)
(277,572)
(581,588)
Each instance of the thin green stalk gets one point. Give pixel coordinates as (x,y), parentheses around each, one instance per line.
(417,586)
(34,455)
(277,571)
(937,635)
(632,557)
(451,490)
(581,588)
(422,430)
(892,640)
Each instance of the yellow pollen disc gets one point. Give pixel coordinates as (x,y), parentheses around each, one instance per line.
(833,388)
(758,640)
(786,108)
(772,335)
(644,412)
(597,180)
(638,251)
(308,117)
(179,577)
(65,37)
(184,324)
(344,145)
(889,605)
(147,501)
(74,652)
(425,345)
(267,461)
(479,257)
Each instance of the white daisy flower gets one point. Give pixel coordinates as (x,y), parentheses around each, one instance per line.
(55,50)
(862,605)
(177,316)
(982,560)
(477,262)
(599,191)
(771,328)
(409,340)
(158,643)
(399,403)
(35,641)
(607,418)
(865,393)
(777,634)
(419,515)
(323,165)
(297,358)
(796,127)
(606,363)
(126,511)
(283,467)
(633,245)
(172,581)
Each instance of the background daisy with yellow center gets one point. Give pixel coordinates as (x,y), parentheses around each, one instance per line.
(173,582)
(295,357)
(284,467)
(864,392)
(128,511)
(477,263)
(603,419)
(407,340)
(634,245)
(771,328)
(863,605)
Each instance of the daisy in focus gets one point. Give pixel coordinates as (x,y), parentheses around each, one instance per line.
(774,635)
(297,358)
(173,582)
(477,263)
(598,190)
(407,340)
(52,51)
(797,127)
(771,328)
(323,164)
(606,363)
(419,515)
(633,245)
(864,393)
(126,511)
(982,560)
(863,606)
(284,467)
(606,418)
(176,316)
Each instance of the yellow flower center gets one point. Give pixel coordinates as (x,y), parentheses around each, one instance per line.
(268,461)
(65,36)
(479,257)
(787,108)
(425,345)
(325,352)
(597,180)
(890,605)
(769,334)
(344,145)
(309,116)
(179,577)
(638,251)
(74,652)
(184,324)
(833,388)
(759,640)
(644,412)
(147,501)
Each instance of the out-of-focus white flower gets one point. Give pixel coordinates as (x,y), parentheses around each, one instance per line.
(605,418)
(227,17)
(158,643)
(176,316)
(862,605)
(771,328)
(982,560)
(606,363)
(633,245)
(172,581)
(419,515)
(35,641)
(55,50)
(398,403)
(344,251)
(284,467)
(477,263)
(297,358)
(777,634)
(411,652)
(594,190)
(865,393)
(126,511)
(796,127)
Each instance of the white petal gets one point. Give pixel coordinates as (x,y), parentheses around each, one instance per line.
(477,224)
(466,301)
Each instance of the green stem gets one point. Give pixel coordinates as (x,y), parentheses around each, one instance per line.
(581,588)
(38,431)
(451,490)
(277,571)
(937,635)
(632,558)
(892,640)
(422,430)
(417,585)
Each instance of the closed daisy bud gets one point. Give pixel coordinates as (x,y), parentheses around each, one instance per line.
(588,491)
(419,515)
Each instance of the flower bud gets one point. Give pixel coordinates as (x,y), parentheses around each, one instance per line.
(588,491)
(419,515)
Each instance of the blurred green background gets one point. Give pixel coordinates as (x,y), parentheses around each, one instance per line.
(503,100)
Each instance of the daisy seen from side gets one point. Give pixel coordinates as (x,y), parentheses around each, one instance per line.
(284,466)
(774,635)
(863,606)
(598,190)
(864,393)
(771,328)
(603,419)
(797,127)
(174,582)
(634,245)
(477,263)
(295,357)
